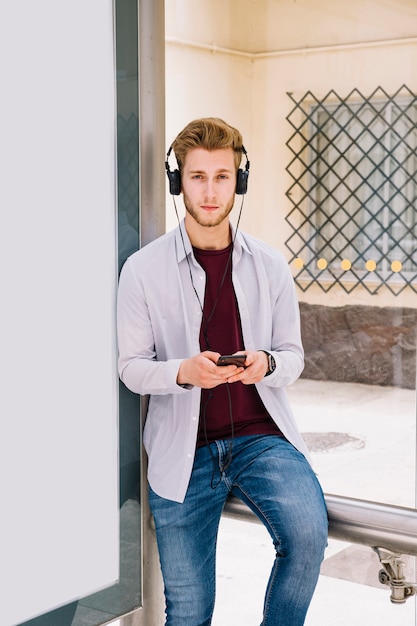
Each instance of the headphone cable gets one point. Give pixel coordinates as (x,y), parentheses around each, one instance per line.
(206,321)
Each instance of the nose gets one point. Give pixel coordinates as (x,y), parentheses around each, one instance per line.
(210,191)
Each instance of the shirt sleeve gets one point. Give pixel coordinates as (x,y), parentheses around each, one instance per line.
(138,367)
(286,344)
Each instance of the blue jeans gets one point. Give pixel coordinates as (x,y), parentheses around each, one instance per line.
(278,484)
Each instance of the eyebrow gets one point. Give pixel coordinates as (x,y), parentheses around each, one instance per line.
(219,171)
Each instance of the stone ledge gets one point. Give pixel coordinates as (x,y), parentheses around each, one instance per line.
(360,344)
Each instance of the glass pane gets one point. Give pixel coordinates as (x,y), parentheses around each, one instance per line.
(356,407)
(125,595)
(59,528)
(356,401)
(347,594)
(361,436)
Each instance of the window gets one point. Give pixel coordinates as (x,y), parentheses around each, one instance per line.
(354,190)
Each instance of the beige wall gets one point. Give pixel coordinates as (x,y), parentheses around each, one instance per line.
(364,68)
(200,83)
(238,60)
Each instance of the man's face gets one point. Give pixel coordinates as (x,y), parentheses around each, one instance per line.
(209,185)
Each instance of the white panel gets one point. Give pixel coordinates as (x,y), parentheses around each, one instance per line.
(58,401)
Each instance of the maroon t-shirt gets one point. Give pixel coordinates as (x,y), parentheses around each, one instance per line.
(231,409)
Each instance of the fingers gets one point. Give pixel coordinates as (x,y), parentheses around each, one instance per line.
(256,368)
(211,375)
(201,370)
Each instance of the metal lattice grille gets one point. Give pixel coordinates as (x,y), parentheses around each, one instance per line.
(354,189)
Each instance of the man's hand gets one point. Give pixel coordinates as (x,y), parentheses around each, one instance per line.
(201,371)
(256,366)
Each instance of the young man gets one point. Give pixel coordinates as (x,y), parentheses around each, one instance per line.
(197,293)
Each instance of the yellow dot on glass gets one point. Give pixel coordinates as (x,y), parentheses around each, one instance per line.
(346,265)
(396,266)
(322,264)
(299,263)
(370,266)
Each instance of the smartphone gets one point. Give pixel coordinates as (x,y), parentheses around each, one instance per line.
(232,359)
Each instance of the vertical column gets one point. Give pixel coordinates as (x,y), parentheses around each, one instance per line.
(152,224)
(152,118)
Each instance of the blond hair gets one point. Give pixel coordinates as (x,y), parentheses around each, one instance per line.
(209,133)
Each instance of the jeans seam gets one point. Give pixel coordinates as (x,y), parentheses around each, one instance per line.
(271,584)
(276,561)
(259,509)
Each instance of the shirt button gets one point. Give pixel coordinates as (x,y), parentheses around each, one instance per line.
(189,455)
(194,418)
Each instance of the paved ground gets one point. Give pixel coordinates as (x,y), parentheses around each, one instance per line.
(364,446)
(376,462)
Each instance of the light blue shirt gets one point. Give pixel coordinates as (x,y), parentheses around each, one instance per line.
(159,318)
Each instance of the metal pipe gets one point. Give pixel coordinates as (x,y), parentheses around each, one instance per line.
(358,521)
(290,51)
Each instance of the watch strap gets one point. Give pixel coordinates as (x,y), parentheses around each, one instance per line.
(271,363)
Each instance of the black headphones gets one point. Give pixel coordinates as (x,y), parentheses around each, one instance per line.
(174,177)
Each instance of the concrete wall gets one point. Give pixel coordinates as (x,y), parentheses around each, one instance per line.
(238,60)
(387,64)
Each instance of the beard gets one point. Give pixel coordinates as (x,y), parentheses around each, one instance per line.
(208,220)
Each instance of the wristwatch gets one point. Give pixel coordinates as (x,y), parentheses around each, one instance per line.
(271,363)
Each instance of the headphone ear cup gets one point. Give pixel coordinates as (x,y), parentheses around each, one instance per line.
(174,178)
(242,181)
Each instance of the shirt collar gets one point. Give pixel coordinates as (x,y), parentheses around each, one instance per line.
(182,242)
(184,247)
